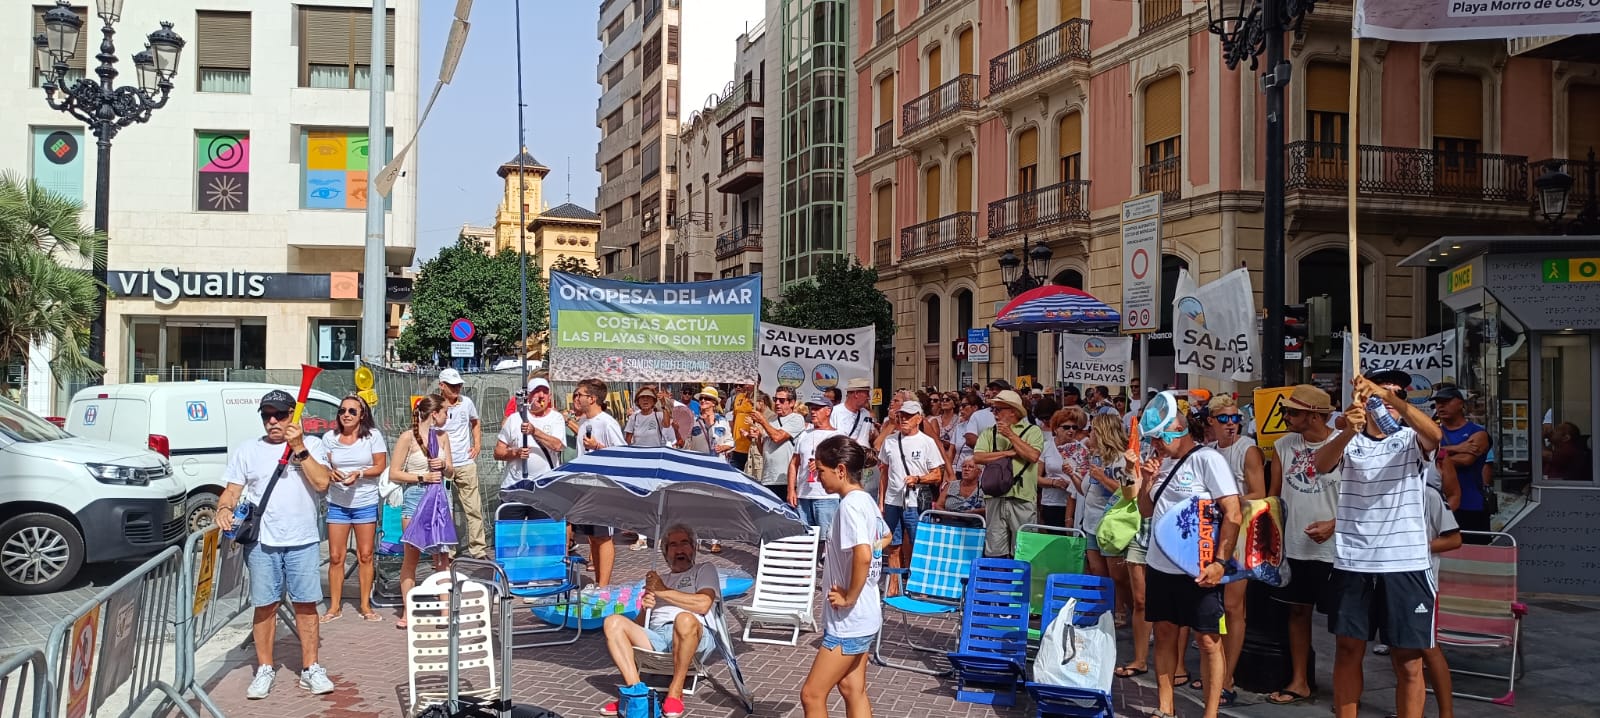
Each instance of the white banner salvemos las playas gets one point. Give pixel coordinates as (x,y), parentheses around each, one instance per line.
(1429,360)
(810,360)
(1096,359)
(1214,327)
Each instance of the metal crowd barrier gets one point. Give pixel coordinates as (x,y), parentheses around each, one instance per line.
(216,589)
(24,673)
(116,642)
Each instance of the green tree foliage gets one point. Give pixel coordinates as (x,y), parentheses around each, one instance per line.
(842,294)
(573,265)
(45,292)
(464,281)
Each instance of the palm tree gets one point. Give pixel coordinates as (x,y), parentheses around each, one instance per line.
(46,295)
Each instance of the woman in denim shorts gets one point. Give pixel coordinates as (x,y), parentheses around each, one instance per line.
(357,456)
(425,453)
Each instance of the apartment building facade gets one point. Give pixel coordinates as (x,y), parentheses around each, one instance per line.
(237,221)
(638,72)
(981,122)
(722,166)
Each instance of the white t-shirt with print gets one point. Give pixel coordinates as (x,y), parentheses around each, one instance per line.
(1382,524)
(1054,468)
(806,484)
(1308,497)
(857,425)
(699,577)
(1205,475)
(776,455)
(602,428)
(357,456)
(651,430)
(921,454)
(539,459)
(857,523)
(291,516)
(458,426)
(707,436)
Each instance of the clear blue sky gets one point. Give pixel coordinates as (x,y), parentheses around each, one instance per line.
(473,127)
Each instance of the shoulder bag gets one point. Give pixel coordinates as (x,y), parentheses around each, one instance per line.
(247,527)
(997,479)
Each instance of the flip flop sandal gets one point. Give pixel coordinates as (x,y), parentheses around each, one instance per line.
(1294,698)
(1229,698)
(371,617)
(401,624)
(1198,684)
(331,617)
(1129,672)
(1177,681)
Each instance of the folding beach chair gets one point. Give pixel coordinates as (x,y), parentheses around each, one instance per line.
(1096,595)
(1048,550)
(991,660)
(533,555)
(785,589)
(941,560)
(428,639)
(387,557)
(658,665)
(1478,605)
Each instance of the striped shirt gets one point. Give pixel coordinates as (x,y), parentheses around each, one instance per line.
(1382,524)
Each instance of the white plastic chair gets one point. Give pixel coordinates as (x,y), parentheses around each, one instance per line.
(785,590)
(428,639)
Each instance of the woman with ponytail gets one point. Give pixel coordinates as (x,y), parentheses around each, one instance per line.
(425,452)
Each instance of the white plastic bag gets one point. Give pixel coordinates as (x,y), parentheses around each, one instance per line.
(1077,656)
(394,494)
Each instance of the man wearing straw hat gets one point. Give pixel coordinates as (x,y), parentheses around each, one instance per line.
(1020,445)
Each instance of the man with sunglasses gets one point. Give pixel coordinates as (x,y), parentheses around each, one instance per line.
(596,430)
(778,445)
(286,559)
(534,446)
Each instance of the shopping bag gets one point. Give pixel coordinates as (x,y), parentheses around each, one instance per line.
(1077,656)
(1119,526)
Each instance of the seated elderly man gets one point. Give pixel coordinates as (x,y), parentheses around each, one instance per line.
(672,619)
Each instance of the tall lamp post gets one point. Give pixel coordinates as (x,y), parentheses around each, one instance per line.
(1019,277)
(1246,29)
(103,106)
(1555,186)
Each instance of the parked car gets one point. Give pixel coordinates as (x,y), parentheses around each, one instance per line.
(193,423)
(69,500)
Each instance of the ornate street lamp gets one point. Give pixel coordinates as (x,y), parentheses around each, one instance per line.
(1019,278)
(103,106)
(1554,187)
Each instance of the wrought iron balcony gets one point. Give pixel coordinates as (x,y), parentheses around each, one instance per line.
(955,96)
(1165,176)
(1155,13)
(1060,203)
(1408,172)
(883,137)
(740,171)
(739,239)
(1051,49)
(742,95)
(886,27)
(951,232)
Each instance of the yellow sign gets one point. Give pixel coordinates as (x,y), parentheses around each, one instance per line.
(1270,424)
(208,571)
(877,397)
(1460,278)
(1563,271)
(1024,383)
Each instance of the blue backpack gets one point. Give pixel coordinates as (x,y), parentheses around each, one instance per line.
(638,701)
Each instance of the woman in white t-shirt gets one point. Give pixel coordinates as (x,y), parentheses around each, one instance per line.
(1058,488)
(356,458)
(648,427)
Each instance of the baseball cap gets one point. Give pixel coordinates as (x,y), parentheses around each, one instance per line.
(1445,392)
(911,407)
(451,376)
(277,399)
(819,399)
(536,384)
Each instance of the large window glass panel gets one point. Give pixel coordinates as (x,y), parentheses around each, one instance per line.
(144,350)
(1567,371)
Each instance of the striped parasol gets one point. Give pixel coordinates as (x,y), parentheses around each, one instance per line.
(1055,308)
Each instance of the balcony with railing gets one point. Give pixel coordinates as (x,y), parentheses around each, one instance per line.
(937,108)
(883,137)
(740,171)
(739,239)
(743,95)
(1164,176)
(1406,172)
(1036,65)
(1155,13)
(1063,203)
(952,236)
(886,27)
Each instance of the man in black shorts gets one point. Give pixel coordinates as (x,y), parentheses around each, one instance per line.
(1310,499)
(1172,598)
(1381,584)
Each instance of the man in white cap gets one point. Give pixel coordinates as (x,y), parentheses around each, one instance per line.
(465,430)
(817,506)
(534,446)
(907,459)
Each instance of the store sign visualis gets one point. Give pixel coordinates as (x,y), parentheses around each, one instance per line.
(169,284)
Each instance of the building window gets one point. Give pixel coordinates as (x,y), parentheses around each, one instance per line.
(185,349)
(652,54)
(650,160)
(222,175)
(672,44)
(931,182)
(758,143)
(672,98)
(333,172)
(1027,20)
(1327,120)
(1583,131)
(1163,137)
(650,109)
(964,183)
(224,47)
(1027,160)
(336,48)
(1069,140)
(80,53)
(732,147)
(1458,131)
(964,52)
(886,106)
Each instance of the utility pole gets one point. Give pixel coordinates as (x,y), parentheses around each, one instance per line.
(374,292)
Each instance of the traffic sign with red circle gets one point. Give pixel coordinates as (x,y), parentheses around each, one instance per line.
(462,330)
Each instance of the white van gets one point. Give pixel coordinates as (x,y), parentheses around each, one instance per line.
(193,423)
(66,501)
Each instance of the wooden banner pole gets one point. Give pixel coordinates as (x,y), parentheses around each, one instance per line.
(1353,162)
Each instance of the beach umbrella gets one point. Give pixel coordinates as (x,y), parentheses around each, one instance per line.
(1055,308)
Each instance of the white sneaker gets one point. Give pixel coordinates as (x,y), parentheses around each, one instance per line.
(315,679)
(261,685)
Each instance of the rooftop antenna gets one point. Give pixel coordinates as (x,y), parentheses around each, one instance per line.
(569,178)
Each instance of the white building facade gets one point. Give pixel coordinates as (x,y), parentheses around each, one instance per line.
(237,213)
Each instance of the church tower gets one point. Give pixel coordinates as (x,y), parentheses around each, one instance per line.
(530,185)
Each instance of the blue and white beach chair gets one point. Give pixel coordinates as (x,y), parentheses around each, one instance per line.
(991,662)
(533,555)
(941,561)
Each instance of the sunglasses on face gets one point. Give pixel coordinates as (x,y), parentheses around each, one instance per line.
(1229,418)
(267,416)
(1068,427)
(350,411)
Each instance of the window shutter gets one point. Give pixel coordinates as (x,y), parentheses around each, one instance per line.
(224,40)
(964,183)
(80,54)
(886,99)
(885,7)
(1071,9)
(1463,95)
(1583,121)
(1069,134)
(361,40)
(1027,20)
(964,49)
(1028,148)
(930,193)
(325,35)
(1328,88)
(884,206)
(935,67)
(1163,109)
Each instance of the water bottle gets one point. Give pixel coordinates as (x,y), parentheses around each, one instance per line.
(1378,413)
(240,512)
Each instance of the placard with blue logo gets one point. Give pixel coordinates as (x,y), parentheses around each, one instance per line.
(631,331)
